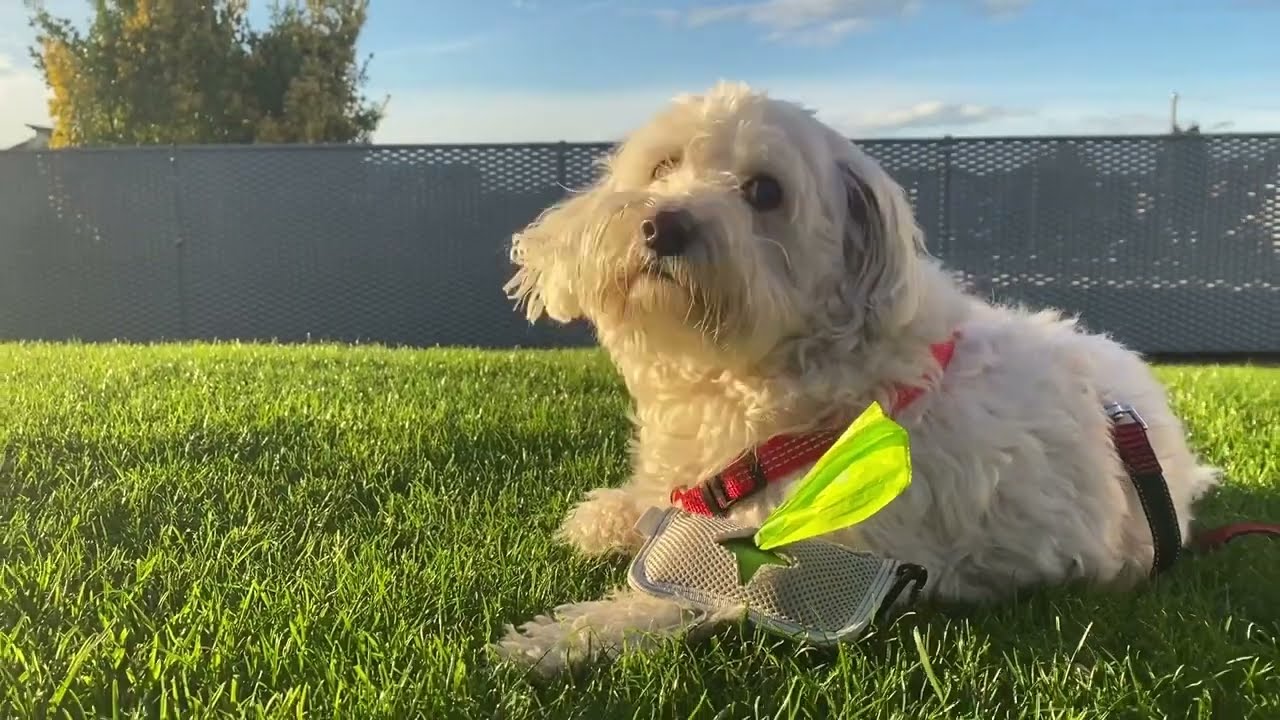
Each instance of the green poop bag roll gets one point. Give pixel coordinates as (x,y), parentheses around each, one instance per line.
(864,471)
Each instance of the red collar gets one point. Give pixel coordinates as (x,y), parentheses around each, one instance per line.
(782,455)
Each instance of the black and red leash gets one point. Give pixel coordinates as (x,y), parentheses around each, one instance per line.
(1211,539)
(1129,432)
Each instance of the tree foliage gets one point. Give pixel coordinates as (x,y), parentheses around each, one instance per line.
(194,71)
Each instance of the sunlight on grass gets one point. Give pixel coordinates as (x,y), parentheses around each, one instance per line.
(203,530)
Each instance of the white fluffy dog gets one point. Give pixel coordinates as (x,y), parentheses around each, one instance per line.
(751,272)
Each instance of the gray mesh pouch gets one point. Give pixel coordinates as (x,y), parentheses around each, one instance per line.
(827,594)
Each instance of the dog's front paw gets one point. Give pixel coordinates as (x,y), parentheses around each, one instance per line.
(548,646)
(604,523)
(577,634)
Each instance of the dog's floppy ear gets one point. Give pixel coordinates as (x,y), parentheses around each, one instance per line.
(881,243)
(546,263)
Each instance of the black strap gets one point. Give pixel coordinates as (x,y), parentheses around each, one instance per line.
(906,574)
(1129,433)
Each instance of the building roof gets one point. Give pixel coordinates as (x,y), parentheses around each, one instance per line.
(39,141)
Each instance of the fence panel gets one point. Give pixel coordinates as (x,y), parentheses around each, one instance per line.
(88,246)
(1171,243)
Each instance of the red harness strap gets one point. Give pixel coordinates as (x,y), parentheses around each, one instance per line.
(780,456)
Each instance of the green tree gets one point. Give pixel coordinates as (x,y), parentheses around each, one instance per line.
(305,78)
(194,71)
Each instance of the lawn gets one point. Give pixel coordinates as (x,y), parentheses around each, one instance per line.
(245,530)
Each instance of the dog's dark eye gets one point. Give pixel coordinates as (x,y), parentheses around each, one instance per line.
(663,168)
(762,192)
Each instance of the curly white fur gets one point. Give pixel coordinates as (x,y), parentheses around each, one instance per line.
(798,317)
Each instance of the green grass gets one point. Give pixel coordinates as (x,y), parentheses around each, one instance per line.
(335,532)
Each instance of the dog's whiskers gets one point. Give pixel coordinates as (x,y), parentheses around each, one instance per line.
(786,255)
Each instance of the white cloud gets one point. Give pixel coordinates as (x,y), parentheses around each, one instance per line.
(23,100)
(870,107)
(1120,123)
(23,96)
(816,21)
(513,116)
(451,46)
(821,35)
(800,21)
(1086,117)
(1004,8)
(794,14)
(863,109)
(531,19)
(930,114)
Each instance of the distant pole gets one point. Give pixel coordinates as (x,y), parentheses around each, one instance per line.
(1173,113)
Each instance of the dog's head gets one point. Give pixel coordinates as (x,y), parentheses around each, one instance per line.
(734,221)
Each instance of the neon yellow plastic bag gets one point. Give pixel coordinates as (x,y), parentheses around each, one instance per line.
(866,468)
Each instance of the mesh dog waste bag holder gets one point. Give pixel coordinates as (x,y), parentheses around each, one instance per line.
(823,593)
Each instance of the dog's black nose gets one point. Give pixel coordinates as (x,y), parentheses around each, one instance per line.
(668,232)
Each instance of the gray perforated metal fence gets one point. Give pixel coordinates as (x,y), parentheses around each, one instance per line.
(1170,243)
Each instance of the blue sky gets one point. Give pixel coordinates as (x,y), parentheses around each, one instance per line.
(512,70)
